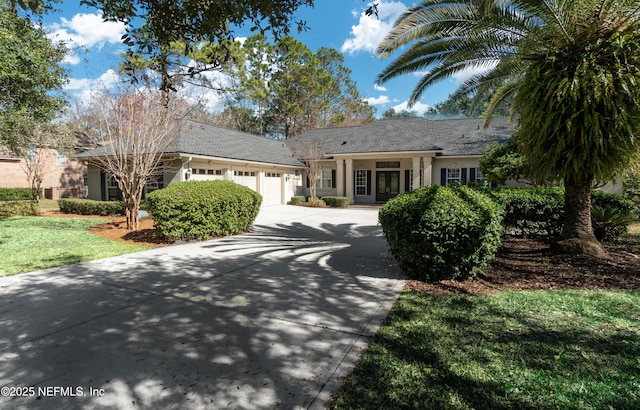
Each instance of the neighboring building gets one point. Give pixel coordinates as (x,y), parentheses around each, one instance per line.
(63,177)
(369,163)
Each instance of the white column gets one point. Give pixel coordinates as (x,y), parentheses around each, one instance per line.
(229,174)
(349,180)
(340,177)
(428,171)
(416,173)
(261,183)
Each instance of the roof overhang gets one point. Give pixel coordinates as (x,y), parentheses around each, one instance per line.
(391,154)
(189,157)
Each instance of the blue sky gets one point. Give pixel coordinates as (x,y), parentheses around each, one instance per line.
(340,24)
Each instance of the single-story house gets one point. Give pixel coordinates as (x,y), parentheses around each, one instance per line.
(368,163)
(63,177)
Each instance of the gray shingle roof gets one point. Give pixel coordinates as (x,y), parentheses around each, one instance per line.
(203,139)
(449,137)
(208,140)
(446,137)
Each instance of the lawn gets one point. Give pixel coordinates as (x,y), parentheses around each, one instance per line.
(32,243)
(570,349)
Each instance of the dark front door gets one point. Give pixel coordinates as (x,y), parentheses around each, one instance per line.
(388,185)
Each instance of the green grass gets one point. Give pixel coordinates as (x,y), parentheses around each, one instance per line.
(47,205)
(32,243)
(511,350)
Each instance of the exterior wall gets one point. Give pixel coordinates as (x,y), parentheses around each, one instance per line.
(59,180)
(440,163)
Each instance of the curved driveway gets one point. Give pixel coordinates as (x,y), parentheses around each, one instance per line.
(275,318)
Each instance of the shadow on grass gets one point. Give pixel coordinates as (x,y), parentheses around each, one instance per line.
(442,352)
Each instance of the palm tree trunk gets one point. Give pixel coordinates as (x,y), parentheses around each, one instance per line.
(577,234)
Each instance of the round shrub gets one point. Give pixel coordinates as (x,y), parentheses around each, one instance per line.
(203,209)
(611,215)
(438,233)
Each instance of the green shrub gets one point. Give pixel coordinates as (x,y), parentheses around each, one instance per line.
(337,201)
(203,209)
(530,212)
(15,194)
(19,208)
(298,199)
(438,233)
(89,207)
(611,215)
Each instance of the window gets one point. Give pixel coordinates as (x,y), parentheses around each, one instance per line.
(325,179)
(453,176)
(361,182)
(411,187)
(113,192)
(388,164)
(61,158)
(272,175)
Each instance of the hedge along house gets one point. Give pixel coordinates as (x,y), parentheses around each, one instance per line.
(369,163)
(206,152)
(374,162)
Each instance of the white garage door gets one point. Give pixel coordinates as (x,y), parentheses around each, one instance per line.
(272,192)
(246,178)
(202,174)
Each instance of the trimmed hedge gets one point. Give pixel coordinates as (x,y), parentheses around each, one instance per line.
(15,194)
(438,233)
(298,199)
(337,201)
(203,209)
(89,207)
(19,208)
(539,211)
(530,212)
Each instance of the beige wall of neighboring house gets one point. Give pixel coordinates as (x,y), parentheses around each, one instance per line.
(63,177)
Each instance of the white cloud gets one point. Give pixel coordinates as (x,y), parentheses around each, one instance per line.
(83,88)
(383,99)
(464,75)
(418,107)
(379,87)
(85,30)
(371,30)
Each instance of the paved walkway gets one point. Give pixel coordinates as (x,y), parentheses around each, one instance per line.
(271,319)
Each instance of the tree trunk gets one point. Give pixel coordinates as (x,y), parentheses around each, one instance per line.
(577,234)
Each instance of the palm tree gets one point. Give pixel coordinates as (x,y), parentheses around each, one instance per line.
(571,67)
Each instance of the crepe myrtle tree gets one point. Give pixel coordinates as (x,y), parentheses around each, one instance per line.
(571,67)
(132,128)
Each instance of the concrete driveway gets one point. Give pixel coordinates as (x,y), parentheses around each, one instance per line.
(271,319)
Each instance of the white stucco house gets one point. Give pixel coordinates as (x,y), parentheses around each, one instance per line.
(369,164)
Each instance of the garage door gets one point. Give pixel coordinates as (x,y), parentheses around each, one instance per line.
(246,178)
(202,174)
(272,192)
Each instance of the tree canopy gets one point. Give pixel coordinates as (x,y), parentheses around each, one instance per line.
(285,89)
(31,78)
(153,27)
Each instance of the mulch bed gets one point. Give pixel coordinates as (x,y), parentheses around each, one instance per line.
(525,264)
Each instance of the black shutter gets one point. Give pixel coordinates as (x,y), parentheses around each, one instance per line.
(354,182)
(472,174)
(463,176)
(407,185)
(443,177)
(333,178)
(308,182)
(103,186)
(368,182)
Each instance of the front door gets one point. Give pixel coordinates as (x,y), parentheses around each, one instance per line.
(388,185)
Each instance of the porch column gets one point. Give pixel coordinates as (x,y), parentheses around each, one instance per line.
(427,171)
(349,180)
(340,177)
(416,172)
(229,174)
